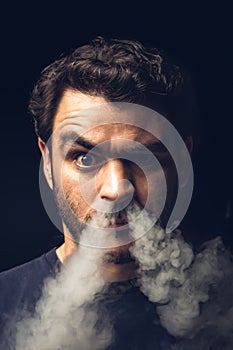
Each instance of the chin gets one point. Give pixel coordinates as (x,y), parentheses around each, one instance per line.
(119,272)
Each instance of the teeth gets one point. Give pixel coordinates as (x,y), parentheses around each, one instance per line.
(105,222)
(112,220)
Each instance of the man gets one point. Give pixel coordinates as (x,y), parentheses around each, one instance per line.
(116,166)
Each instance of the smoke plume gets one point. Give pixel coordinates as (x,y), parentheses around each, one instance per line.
(192,293)
(63,318)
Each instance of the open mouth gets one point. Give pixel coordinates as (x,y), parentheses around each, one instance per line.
(118,219)
(108,230)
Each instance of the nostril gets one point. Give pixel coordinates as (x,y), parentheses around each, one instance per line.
(122,203)
(124,195)
(124,190)
(118,200)
(121,188)
(113,184)
(125,186)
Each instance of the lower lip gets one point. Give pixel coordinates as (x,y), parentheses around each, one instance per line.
(119,225)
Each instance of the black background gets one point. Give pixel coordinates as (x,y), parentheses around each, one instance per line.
(32,36)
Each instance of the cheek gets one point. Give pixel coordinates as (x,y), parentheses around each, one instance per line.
(142,191)
(69,185)
(79,198)
(74,199)
(154,189)
(69,182)
(140,184)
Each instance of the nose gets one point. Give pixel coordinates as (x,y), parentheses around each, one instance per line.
(114,182)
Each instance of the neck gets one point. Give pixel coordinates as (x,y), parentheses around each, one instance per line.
(111,272)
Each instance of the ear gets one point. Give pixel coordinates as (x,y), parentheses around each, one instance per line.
(46,161)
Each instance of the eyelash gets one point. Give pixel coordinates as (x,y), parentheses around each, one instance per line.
(163,161)
(80,166)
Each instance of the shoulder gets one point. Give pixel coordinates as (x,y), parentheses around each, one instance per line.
(20,289)
(29,271)
(22,285)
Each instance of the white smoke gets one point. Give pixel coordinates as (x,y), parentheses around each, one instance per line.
(63,319)
(193,292)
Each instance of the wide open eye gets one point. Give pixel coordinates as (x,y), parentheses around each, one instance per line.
(85,160)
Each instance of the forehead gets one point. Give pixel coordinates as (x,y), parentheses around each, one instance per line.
(98,119)
(73,102)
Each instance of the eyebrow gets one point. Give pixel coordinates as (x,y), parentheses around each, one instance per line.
(73,138)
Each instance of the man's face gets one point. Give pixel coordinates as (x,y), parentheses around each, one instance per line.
(77,161)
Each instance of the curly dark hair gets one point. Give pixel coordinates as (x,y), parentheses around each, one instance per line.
(118,70)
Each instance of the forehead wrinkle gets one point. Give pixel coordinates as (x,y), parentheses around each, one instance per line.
(73,138)
(99,134)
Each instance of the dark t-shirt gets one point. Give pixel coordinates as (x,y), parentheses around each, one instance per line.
(20,289)
(133,317)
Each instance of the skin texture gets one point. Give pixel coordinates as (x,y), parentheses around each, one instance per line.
(62,170)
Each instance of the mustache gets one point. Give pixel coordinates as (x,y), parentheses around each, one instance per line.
(122,216)
(133,207)
(112,217)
